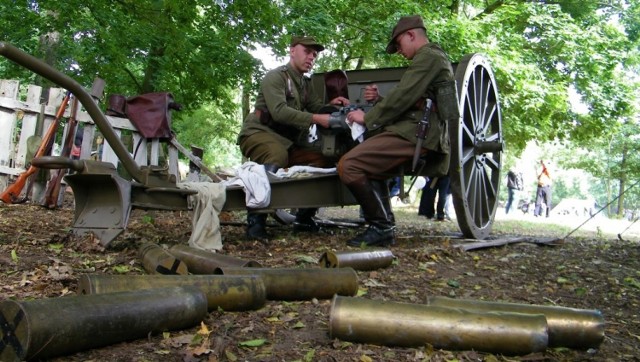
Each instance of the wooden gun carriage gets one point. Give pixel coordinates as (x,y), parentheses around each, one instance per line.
(104,199)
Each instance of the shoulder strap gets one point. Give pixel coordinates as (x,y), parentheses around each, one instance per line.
(287,80)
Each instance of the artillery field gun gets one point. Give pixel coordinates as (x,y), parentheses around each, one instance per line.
(104,199)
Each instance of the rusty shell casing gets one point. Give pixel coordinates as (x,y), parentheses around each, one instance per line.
(413,325)
(568,327)
(300,283)
(226,292)
(39,329)
(156,260)
(358,260)
(205,262)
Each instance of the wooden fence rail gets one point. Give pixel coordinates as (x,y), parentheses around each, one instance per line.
(23,116)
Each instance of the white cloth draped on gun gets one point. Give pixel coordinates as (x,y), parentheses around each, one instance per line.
(255,181)
(206,205)
(253,178)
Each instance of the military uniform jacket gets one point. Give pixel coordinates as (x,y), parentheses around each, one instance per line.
(290,100)
(398,111)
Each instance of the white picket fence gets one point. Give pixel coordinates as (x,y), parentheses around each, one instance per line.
(20,109)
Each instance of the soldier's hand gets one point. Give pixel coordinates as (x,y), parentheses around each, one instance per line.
(340,101)
(371,94)
(321,119)
(356,116)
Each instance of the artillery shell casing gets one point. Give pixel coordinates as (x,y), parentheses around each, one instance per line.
(301,284)
(156,260)
(205,262)
(39,329)
(226,292)
(358,260)
(412,325)
(568,327)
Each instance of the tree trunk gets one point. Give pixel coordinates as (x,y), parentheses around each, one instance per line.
(152,70)
(455,7)
(246,97)
(623,181)
(49,44)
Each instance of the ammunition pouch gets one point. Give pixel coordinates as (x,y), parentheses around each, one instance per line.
(447,100)
(288,132)
(263,116)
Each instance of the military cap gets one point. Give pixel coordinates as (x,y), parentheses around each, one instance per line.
(307,41)
(405,23)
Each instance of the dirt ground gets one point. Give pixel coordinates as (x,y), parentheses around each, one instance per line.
(40,258)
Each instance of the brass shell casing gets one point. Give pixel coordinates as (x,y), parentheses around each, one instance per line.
(568,327)
(358,260)
(300,283)
(43,328)
(156,260)
(412,325)
(226,292)
(205,262)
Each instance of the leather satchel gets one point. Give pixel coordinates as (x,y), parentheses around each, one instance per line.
(150,114)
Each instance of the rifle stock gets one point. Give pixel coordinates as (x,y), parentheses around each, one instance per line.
(53,188)
(12,192)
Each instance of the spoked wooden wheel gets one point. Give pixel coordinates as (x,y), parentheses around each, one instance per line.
(476,147)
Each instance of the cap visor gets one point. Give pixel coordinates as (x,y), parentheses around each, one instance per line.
(391,48)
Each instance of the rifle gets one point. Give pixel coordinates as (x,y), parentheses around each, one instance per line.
(11,193)
(53,188)
(421,132)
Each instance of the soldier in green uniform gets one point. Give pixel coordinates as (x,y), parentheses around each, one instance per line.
(391,126)
(276,133)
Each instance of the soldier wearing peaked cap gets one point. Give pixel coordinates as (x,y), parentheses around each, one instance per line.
(275,134)
(391,125)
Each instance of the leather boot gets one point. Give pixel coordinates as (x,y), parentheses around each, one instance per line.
(382,189)
(257,226)
(380,231)
(305,222)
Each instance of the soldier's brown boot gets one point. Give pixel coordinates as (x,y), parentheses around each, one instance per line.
(381,231)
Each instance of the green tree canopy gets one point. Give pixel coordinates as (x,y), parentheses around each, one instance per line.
(199,51)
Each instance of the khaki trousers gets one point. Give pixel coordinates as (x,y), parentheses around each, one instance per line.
(378,157)
(264,148)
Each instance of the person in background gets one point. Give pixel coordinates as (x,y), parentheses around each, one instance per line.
(391,129)
(543,192)
(514,184)
(448,204)
(276,133)
(441,187)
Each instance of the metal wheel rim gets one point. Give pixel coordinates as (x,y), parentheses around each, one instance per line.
(476,148)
